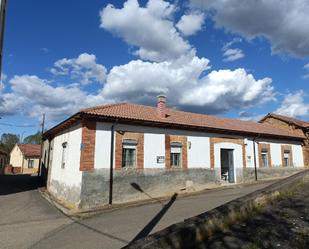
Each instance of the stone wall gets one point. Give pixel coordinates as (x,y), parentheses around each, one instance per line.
(133,185)
(268,173)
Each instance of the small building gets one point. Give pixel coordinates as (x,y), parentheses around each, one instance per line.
(24,158)
(295,125)
(3,161)
(159,150)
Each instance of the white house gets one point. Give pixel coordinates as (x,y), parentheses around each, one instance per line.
(99,154)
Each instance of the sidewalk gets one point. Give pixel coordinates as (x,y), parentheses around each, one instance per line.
(116,228)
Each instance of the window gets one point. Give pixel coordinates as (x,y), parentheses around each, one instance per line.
(129,153)
(264,156)
(1,162)
(286,158)
(176,154)
(64,154)
(30,163)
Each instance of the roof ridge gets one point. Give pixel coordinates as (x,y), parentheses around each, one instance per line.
(102,106)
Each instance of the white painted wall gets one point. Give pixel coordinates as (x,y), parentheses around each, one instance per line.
(199,153)
(103,145)
(275,150)
(154,145)
(237,155)
(297,152)
(70,175)
(16,157)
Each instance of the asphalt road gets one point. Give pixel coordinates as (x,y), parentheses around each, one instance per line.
(28,221)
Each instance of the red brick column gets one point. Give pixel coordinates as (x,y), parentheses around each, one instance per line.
(167,151)
(88,145)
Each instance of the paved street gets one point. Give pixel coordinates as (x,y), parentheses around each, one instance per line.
(29,221)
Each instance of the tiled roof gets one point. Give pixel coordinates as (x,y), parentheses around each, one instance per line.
(141,113)
(30,150)
(297,122)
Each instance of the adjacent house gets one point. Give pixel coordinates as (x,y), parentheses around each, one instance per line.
(3,161)
(99,155)
(24,158)
(298,126)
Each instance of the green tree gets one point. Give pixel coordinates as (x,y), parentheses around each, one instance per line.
(8,140)
(33,139)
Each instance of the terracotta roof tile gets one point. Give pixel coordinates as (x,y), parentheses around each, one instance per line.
(30,150)
(300,123)
(174,117)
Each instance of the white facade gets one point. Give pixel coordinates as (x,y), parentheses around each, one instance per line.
(154,146)
(69,175)
(198,150)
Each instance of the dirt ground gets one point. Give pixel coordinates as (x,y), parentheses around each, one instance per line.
(283,224)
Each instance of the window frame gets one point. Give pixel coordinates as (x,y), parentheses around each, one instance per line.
(129,145)
(176,149)
(30,161)
(64,154)
(264,152)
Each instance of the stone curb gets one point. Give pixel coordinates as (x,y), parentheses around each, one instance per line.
(193,230)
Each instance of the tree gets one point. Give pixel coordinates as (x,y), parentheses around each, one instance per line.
(7,141)
(33,139)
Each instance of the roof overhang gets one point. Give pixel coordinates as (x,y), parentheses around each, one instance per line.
(73,120)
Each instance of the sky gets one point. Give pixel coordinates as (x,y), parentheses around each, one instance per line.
(238,58)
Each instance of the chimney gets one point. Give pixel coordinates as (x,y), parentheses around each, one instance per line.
(161,105)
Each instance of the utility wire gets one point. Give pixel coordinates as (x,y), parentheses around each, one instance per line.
(24,126)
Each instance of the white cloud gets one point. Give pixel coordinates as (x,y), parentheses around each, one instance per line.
(306,75)
(190,24)
(84,68)
(247,116)
(224,90)
(294,105)
(33,96)
(185,85)
(285,23)
(149,28)
(184,80)
(233,54)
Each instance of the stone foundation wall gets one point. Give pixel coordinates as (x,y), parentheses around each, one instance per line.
(135,185)
(128,184)
(68,196)
(268,173)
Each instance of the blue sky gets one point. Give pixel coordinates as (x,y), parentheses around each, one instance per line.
(60,56)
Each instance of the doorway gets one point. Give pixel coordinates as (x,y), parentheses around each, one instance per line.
(227,165)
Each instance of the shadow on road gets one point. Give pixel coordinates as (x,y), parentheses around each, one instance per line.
(155,220)
(10,184)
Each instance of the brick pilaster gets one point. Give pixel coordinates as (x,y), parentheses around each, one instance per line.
(88,145)
(167,151)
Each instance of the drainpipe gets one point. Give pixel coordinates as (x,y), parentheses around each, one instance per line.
(111,170)
(254,155)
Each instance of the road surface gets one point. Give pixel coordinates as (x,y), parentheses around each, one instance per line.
(27,220)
